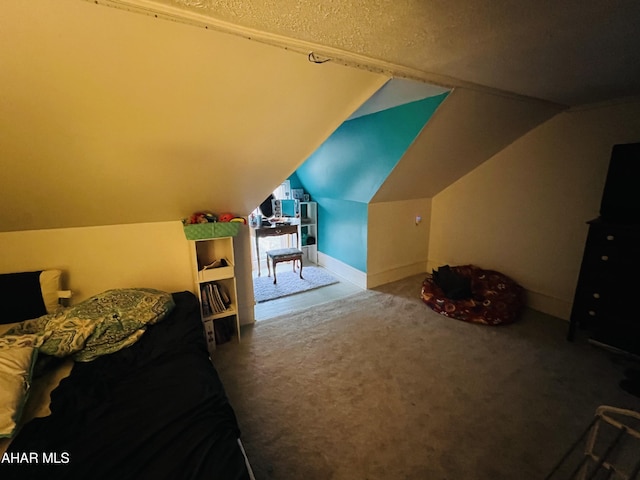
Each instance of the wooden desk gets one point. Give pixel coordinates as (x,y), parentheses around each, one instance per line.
(268,230)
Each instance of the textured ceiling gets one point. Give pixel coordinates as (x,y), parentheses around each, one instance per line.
(571,53)
(111,117)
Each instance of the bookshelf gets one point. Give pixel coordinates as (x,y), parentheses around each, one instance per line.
(309,230)
(213,265)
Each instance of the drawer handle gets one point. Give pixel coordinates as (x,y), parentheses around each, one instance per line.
(604,258)
(596,295)
(278,231)
(592,313)
(610,237)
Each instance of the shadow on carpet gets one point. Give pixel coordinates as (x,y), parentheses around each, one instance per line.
(290,283)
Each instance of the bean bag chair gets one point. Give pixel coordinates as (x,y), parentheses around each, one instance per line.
(495,299)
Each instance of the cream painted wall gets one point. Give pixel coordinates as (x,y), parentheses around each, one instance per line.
(467,128)
(397,246)
(523,212)
(112,117)
(94,259)
(244,278)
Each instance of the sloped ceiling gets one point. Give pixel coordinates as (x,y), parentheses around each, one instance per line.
(355,160)
(469,128)
(397,91)
(114,117)
(110,117)
(571,52)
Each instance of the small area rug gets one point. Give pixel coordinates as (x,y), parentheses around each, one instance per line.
(290,283)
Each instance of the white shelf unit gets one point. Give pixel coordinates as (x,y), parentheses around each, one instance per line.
(203,253)
(309,231)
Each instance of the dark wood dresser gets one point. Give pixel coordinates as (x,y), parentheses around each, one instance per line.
(609,286)
(605,302)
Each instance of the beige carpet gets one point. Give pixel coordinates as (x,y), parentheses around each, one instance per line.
(378,386)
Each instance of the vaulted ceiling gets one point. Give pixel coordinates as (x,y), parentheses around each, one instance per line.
(126,111)
(112,117)
(571,52)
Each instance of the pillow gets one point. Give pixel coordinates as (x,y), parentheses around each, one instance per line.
(16,369)
(5,327)
(49,287)
(27,295)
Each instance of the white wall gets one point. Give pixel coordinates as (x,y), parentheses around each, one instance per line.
(523,212)
(397,246)
(94,259)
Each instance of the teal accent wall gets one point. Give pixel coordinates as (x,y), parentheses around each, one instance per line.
(347,170)
(294,181)
(342,224)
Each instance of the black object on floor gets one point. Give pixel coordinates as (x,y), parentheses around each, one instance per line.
(453,285)
(631,386)
(632,374)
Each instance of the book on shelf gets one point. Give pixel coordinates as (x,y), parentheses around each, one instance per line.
(215,298)
(206,308)
(220,307)
(224,295)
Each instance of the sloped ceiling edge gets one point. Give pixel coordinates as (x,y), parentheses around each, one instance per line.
(112,117)
(468,128)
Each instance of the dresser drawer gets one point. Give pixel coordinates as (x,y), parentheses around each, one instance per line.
(590,298)
(609,281)
(604,291)
(613,244)
(588,316)
(277,231)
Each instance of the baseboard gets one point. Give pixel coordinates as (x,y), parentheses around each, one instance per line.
(541,302)
(549,305)
(364,280)
(538,301)
(343,270)
(247,315)
(388,276)
(432,265)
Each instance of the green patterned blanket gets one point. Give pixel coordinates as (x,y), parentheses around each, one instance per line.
(100,325)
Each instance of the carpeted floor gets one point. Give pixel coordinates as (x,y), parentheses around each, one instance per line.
(290,283)
(377,386)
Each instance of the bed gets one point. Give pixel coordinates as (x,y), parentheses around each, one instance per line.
(151,407)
